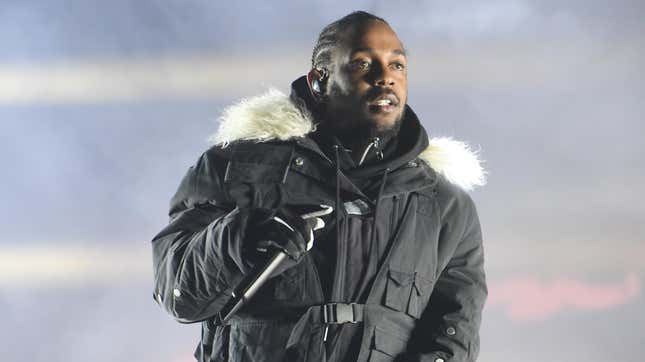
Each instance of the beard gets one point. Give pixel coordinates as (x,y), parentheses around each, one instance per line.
(361,129)
(349,119)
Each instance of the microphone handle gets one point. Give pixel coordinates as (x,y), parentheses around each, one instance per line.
(250,285)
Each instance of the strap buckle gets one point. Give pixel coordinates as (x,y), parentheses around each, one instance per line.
(339,313)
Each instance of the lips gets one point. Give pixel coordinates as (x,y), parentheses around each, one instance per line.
(384,100)
(385,103)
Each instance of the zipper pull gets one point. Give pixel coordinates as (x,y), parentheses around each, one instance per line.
(379,153)
(375,144)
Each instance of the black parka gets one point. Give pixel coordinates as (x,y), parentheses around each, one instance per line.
(401,257)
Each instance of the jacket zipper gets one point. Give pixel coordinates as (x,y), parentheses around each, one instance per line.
(338,282)
(340,262)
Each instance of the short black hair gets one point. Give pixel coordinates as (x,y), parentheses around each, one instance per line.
(330,36)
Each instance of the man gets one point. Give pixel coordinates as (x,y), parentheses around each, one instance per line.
(396,273)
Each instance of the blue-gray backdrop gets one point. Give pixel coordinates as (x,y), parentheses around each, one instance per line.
(104,105)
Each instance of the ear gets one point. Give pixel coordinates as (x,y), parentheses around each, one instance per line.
(315,81)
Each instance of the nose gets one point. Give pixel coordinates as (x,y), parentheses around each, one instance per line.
(383,77)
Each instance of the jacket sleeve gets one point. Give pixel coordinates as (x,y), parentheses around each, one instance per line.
(450,324)
(194,255)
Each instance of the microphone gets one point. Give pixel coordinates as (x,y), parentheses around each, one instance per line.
(251,283)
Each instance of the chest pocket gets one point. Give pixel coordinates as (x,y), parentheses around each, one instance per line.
(387,345)
(256,173)
(258,163)
(407,292)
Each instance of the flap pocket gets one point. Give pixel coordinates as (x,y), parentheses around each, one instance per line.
(407,292)
(420,295)
(422,285)
(397,289)
(386,345)
(256,173)
(262,164)
(401,278)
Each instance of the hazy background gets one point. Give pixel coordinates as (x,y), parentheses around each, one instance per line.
(105,104)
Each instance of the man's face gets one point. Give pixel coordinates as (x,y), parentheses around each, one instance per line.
(367,88)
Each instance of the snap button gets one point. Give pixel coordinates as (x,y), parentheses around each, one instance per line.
(298,161)
(439,359)
(413,164)
(451,331)
(176,292)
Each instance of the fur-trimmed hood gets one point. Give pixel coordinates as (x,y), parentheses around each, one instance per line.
(274,116)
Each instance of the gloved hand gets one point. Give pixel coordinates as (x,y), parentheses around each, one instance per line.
(268,232)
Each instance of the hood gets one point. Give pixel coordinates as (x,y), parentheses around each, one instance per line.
(276,116)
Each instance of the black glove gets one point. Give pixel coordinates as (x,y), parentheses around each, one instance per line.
(268,232)
(265,232)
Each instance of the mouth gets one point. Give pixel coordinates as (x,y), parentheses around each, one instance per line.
(386,103)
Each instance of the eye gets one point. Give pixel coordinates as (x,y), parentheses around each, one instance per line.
(360,65)
(398,66)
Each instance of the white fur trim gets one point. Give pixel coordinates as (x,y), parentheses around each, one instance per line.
(273,116)
(456,161)
(269,116)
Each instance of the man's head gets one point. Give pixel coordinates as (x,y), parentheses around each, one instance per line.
(359,75)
